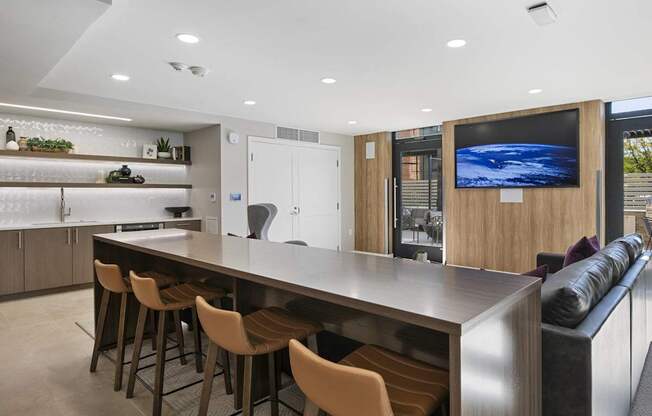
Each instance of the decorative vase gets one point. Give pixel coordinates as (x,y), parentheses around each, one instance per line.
(164,155)
(12,145)
(22,144)
(125,171)
(11,135)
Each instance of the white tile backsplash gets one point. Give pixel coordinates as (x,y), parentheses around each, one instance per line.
(37,205)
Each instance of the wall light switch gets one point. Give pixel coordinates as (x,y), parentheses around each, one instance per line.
(212,197)
(511,196)
(370,148)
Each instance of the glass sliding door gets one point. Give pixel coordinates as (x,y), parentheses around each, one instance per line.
(419,219)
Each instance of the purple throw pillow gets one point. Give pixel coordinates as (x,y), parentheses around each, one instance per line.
(579,251)
(540,272)
(595,243)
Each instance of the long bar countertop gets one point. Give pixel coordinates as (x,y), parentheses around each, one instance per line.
(444,298)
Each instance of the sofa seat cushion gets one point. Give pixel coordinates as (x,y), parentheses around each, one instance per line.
(618,254)
(569,295)
(634,245)
(581,250)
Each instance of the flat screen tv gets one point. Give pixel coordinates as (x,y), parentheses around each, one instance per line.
(524,152)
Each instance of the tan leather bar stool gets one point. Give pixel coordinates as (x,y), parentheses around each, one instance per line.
(113,281)
(173,299)
(263,332)
(371,381)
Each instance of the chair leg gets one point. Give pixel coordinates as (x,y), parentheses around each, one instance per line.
(444,409)
(161,338)
(152,327)
(226,366)
(196,331)
(120,354)
(138,345)
(179,330)
(207,387)
(273,386)
(312,343)
(99,328)
(247,387)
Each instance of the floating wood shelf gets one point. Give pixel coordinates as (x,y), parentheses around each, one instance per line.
(99,158)
(19,184)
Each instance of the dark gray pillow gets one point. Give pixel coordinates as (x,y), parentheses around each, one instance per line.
(569,295)
(618,253)
(634,245)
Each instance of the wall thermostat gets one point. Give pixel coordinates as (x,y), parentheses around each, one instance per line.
(233,138)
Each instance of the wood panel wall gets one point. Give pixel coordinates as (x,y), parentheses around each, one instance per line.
(370,175)
(483,232)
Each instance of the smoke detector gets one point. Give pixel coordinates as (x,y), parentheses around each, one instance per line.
(178,66)
(198,71)
(542,14)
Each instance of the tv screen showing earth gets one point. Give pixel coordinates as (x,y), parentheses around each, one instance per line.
(516,165)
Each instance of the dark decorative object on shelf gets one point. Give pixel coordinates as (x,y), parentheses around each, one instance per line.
(177,211)
(11,135)
(125,171)
(138,179)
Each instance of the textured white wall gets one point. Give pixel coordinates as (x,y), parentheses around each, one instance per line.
(28,206)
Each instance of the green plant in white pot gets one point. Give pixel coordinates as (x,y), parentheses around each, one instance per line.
(163,147)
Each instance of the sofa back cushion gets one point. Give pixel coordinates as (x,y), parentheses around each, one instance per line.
(617,252)
(569,295)
(634,245)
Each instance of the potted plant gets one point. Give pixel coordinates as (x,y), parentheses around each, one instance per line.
(163,147)
(58,145)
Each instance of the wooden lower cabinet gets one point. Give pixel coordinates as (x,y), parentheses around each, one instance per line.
(48,258)
(194,225)
(82,252)
(12,260)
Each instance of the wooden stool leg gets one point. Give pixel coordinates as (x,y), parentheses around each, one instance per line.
(179,330)
(152,327)
(196,331)
(207,387)
(311,409)
(120,354)
(99,328)
(226,366)
(161,338)
(444,409)
(247,387)
(138,345)
(273,386)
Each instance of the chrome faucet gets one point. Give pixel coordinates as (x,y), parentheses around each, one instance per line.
(62,208)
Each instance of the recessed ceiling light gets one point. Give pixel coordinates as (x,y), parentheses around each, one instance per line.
(328,80)
(120,77)
(535,91)
(456,43)
(249,102)
(426,110)
(54,110)
(187,38)
(352,122)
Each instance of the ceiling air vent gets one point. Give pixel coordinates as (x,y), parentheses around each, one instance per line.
(297,135)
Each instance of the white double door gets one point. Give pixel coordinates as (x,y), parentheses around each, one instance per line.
(303,181)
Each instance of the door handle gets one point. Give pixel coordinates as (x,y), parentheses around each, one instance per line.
(68,236)
(20,240)
(295,210)
(76,235)
(395,216)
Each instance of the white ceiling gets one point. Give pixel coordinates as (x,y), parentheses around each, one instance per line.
(389,57)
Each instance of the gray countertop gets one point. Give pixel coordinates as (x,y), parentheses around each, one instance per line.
(445,298)
(35,226)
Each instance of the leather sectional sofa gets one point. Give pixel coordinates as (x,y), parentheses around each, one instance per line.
(595,334)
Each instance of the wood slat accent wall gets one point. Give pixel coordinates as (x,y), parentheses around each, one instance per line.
(370,177)
(483,232)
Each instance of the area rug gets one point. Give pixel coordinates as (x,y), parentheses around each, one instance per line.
(186,401)
(643,400)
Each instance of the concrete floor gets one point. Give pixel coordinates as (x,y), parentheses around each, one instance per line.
(45,360)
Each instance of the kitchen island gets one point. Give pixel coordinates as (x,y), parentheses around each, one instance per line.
(485,327)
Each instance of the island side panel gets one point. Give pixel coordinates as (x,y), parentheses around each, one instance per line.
(496,366)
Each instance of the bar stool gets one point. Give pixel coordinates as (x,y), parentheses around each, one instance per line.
(173,299)
(371,381)
(263,332)
(113,281)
